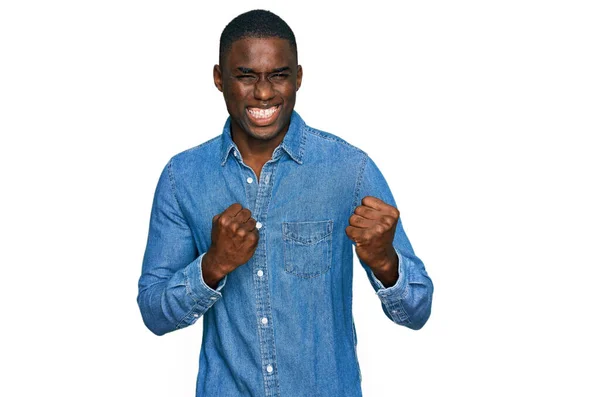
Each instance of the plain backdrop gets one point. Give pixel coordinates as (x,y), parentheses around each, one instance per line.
(482,115)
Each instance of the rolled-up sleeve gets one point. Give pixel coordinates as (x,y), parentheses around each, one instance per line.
(408,301)
(172,293)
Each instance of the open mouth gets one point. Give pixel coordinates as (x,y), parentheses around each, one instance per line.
(263,117)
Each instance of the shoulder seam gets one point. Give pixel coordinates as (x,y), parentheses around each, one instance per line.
(332,137)
(200,145)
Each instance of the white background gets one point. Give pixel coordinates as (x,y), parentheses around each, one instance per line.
(482,116)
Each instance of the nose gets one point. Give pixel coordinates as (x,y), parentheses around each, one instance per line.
(263,89)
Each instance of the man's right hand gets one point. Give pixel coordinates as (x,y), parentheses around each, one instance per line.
(234,239)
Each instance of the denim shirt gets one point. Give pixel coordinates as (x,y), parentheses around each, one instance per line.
(280,324)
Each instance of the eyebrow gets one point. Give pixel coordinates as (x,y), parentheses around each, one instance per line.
(276,70)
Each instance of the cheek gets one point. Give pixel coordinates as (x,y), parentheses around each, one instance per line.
(290,95)
(236,96)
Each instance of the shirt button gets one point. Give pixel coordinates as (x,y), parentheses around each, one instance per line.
(264,320)
(213,297)
(269,369)
(260,273)
(249,180)
(196,315)
(258,225)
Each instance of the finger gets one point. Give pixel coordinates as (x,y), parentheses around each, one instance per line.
(373,202)
(351,232)
(243,215)
(247,233)
(360,222)
(367,212)
(380,205)
(249,225)
(232,210)
(354,233)
(389,220)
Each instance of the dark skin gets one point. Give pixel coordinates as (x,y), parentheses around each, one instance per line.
(372,227)
(259,74)
(259,78)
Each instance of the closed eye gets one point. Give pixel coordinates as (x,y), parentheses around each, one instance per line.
(247,78)
(279,76)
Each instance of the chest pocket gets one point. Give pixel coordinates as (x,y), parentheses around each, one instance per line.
(307,247)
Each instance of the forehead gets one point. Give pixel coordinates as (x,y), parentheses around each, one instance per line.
(260,53)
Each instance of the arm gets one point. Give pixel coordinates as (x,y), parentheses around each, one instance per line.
(172,293)
(401,283)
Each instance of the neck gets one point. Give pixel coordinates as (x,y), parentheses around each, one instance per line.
(254,148)
(255,152)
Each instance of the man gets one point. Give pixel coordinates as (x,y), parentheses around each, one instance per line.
(253,230)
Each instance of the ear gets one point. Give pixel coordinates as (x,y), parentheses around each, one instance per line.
(299,77)
(218,77)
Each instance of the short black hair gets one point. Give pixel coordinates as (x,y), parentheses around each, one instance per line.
(255,24)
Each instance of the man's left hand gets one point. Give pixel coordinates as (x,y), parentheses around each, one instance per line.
(372,228)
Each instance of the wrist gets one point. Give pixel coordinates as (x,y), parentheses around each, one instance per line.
(385,261)
(212,270)
(388,271)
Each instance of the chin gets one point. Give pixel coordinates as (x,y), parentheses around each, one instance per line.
(264,134)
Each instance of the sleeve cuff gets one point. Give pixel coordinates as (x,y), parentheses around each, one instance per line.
(391,297)
(395,289)
(198,289)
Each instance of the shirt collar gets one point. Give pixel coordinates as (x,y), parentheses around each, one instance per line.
(293,141)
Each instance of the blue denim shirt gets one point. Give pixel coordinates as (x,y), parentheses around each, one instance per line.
(281,324)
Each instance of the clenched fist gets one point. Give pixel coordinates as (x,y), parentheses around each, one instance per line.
(372,228)
(234,239)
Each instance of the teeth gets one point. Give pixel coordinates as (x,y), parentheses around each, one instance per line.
(262,113)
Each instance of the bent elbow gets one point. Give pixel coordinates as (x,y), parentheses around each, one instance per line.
(417,322)
(421,315)
(422,309)
(154,325)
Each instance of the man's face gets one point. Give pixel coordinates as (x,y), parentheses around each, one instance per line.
(259,78)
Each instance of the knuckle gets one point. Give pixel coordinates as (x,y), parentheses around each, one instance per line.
(388,220)
(253,237)
(379,229)
(224,221)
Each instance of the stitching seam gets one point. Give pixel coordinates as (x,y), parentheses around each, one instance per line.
(173,190)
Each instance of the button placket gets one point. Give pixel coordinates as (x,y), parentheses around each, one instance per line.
(259,195)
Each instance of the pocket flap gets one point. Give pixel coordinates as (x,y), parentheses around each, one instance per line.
(307,233)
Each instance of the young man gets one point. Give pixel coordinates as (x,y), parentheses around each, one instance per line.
(253,231)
